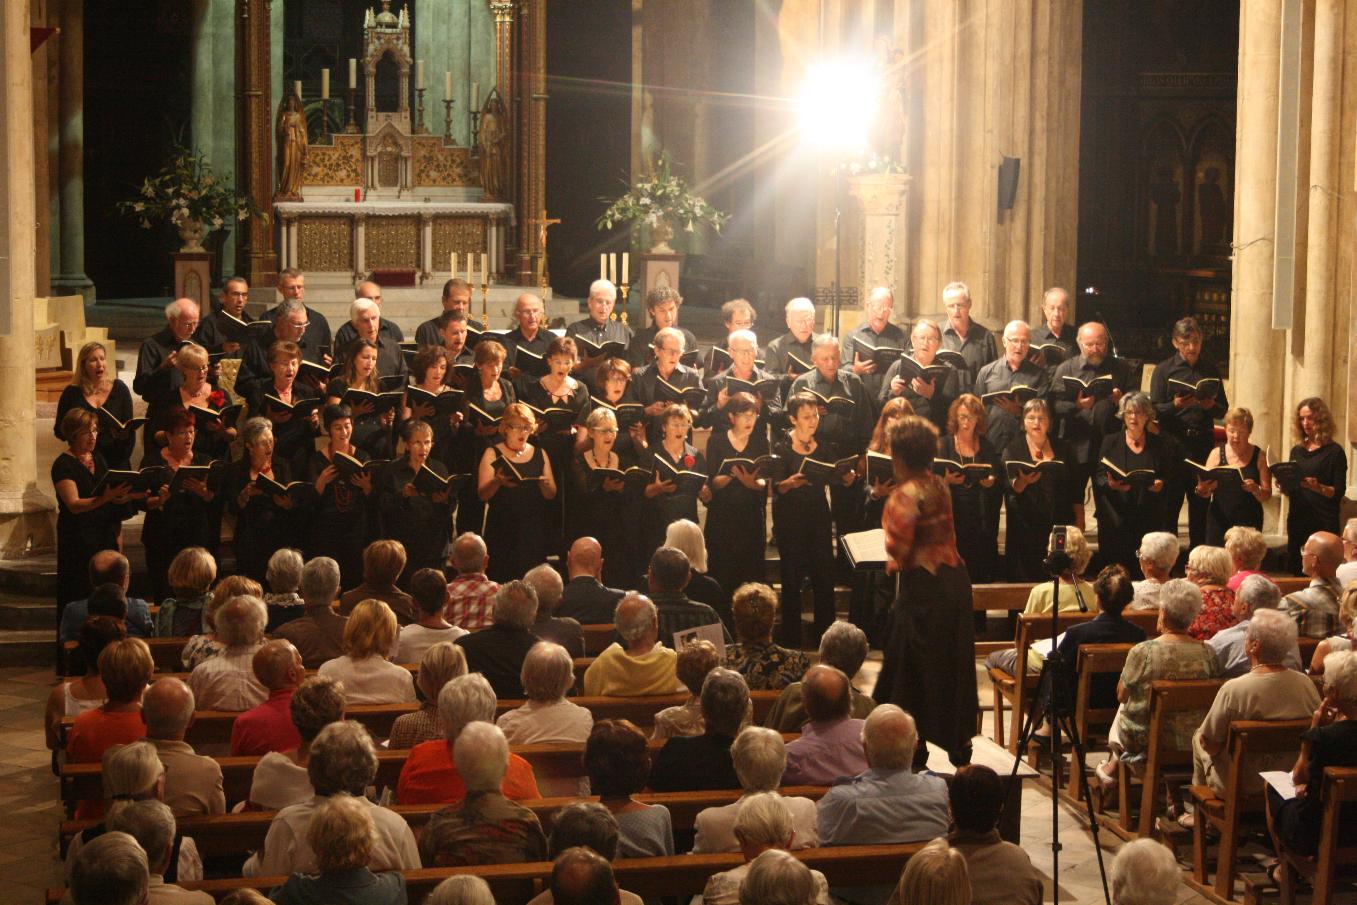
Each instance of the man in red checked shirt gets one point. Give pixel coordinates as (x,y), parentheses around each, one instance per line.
(470,595)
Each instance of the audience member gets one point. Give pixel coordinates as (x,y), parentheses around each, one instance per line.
(1255,593)
(1114,591)
(226,681)
(152,825)
(485,827)
(440,665)
(686,536)
(1347,631)
(111,870)
(762,823)
(581,876)
(126,668)
(643,666)
(368,676)
(319,634)
(108,567)
(777,878)
(617,759)
(668,576)
(190,577)
(562,630)
(842,646)
(281,778)
(759,757)
(1209,569)
(429,590)
(1315,608)
(548,675)
(464,889)
(497,651)
(937,875)
(592,826)
(343,835)
(74,696)
(193,783)
(688,763)
(471,593)
(765,666)
(1158,554)
(585,598)
(268,726)
(1000,872)
(1346,573)
(1247,548)
(1144,873)
(283,578)
(206,645)
(830,746)
(430,773)
(383,562)
(695,660)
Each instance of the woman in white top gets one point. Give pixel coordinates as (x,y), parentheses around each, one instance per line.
(281,778)
(368,677)
(548,674)
(759,757)
(75,696)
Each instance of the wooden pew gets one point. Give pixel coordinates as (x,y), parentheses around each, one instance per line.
(229,835)
(683,875)
(1094,660)
(1339,788)
(1242,798)
(83,782)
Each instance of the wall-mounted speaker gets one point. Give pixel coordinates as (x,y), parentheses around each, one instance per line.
(1008,182)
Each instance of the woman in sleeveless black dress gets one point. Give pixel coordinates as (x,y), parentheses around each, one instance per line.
(736,533)
(606,509)
(1234,503)
(515,481)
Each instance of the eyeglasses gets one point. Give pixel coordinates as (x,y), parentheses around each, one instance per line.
(606,431)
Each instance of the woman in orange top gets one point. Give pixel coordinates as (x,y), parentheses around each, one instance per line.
(928,666)
(126,668)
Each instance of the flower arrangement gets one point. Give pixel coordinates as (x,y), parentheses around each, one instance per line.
(185,190)
(664,197)
(872,163)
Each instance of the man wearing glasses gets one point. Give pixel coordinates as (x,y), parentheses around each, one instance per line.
(235,292)
(317,339)
(291,323)
(789,355)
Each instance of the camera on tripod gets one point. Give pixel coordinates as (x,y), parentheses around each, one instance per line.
(1058,562)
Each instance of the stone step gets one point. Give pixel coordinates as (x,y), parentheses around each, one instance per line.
(22,613)
(32,647)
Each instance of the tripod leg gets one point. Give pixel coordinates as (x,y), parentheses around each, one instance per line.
(1079,769)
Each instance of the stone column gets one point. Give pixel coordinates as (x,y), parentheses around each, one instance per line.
(883,198)
(255,257)
(1257,350)
(213,120)
(25,514)
(71,278)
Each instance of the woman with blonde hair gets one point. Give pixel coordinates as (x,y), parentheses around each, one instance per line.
(1246,547)
(1209,569)
(1129,508)
(515,480)
(126,668)
(205,645)
(440,664)
(420,520)
(1236,503)
(211,405)
(94,385)
(368,677)
(342,834)
(1321,476)
(936,875)
(602,505)
(568,401)
(688,538)
(189,578)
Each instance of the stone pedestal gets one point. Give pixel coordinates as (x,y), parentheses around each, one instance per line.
(658,270)
(193,277)
(881,260)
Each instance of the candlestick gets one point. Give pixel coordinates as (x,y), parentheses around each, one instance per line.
(447,85)
(325,120)
(419,111)
(419,74)
(475,131)
(623,290)
(325,84)
(353,73)
(350,126)
(485,268)
(447,121)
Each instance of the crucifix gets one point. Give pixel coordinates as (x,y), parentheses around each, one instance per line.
(543,223)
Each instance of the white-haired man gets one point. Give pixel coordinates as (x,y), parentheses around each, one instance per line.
(973,342)
(1055,329)
(875,332)
(497,652)
(226,681)
(530,335)
(365,319)
(1256,593)
(1014,369)
(110,870)
(743,346)
(790,353)
(152,824)
(643,666)
(388,329)
(156,373)
(760,758)
(598,328)
(1084,416)
(193,783)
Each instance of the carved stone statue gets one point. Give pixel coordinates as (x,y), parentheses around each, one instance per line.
(291,129)
(494,147)
(892,119)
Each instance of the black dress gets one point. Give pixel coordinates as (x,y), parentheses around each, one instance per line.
(805,545)
(117,451)
(975,511)
(559,447)
(470,507)
(293,439)
(1309,511)
(1124,517)
(419,523)
(186,520)
(1032,512)
(80,536)
(1233,505)
(212,444)
(1300,820)
(608,516)
(516,524)
(341,518)
(369,434)
(662,510)
(736,534)
(262,527)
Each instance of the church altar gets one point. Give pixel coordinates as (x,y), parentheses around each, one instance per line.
(355,238)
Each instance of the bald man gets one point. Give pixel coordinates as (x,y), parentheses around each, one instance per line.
(268,726)
(531,336)
(1014,369)
(1083,417)
(875,332)
(193,783)
(639,664)
(830,746)
(389,330)
(586,598)
(582,876)
(1315,608)
(108,567)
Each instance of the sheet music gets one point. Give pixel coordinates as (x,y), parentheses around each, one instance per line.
(712,633)
(1281,781)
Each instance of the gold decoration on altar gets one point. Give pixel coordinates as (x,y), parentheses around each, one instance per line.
(460,234)
(341,164)
(392,243)
(325,243)
(437,164)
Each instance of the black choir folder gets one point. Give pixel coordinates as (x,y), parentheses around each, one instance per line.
(866,549)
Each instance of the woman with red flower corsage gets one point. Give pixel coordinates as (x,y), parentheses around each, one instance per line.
(671,495)
(211,406)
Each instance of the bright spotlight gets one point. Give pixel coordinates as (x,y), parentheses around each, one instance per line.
(838,104)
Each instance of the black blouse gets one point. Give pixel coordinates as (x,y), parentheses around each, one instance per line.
(117,451)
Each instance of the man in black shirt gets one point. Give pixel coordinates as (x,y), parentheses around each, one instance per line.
(598,328)
(292,285)
(662,304)
(845,423)
(1085,416)
(929,399)
(1013,370)
(235,292)
(668,575)
(365,317)
(650,392)
(456,297)
(790,353)
(389,329)
(964,336)
(290,325)
(1189,419)
(876,332)
(1055,328)
(156,373)
(530,335)
(585,597)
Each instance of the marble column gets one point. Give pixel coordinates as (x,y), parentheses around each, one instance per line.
(25,514)
(1257,351)
(213,119)
(70,278)
(253,32)
(882,198)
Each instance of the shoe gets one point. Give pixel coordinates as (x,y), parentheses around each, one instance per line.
(1187,820)
(1105,779)
(960,758)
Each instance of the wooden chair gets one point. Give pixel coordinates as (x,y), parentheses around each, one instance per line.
(1331,860)
(1018,686)
(1242,798)
(1089,720)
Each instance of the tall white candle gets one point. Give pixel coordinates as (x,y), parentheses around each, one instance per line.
(447,85)
(475,95)
(470,267)
(602,266)
(353,73)
(485,269)
(453,268)
(298,85)
(325,84)
(612,267)
(419,74)
(626,267)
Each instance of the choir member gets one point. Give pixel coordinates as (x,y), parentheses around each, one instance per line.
(212,333)
(845,421)
(531,335)
(667,499)
(613,387)
(1087,415)
(387,329)
(1130,506)
(1005,414)
(430,371)
(178,518)
(599,327)
(801,522)
(666,369)
(315,338)
(293,434)
(1323,471)
(876,332)
(789,355)
(487,398)
(264,521)
(291,322)
(420,520)
(606,508)
(194,392)
(86,522)
(1055,328)
(931,399)
(365,317)
(744,349)
(156,374)
(1035,501)
(1188,417)
(736,533)
(964,336)
(930,631)
(975,503)
(456,297)
(515,480)
(557,433)
(371,431)
(738,314)
(662,304)
(93,387)
(453,329)
(1236,502)
(342,515)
